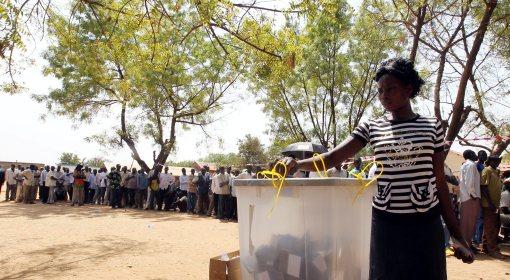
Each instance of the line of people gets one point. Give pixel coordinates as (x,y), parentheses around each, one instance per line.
(202,193)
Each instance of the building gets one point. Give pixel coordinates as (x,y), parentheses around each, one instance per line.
(7,164)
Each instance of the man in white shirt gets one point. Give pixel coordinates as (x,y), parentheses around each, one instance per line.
(165,179)
(233,192)
(101,184)
(220,184)
(183,182)
(68,183)
(469,195)
(43,189)
(10,178)
(51,183)
(213,198)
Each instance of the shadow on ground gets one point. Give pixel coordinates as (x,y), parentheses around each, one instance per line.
(54,260)
(41,211)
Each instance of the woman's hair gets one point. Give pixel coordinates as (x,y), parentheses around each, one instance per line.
(402,69)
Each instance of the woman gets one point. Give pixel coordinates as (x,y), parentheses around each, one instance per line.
(78,185)
(407,234)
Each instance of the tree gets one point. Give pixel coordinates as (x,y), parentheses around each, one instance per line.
(230,159)
(96,162)
(17,19)
(140,69)
(251,151)
(69,159)
(184,163)
(323,88)
(452,40)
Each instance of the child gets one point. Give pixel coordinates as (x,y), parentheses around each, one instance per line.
(407,236)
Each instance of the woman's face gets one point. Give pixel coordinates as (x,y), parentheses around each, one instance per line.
(393,94)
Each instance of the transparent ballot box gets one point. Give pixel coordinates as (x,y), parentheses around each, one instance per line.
(319,228)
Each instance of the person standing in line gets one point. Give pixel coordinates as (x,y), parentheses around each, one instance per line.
(491,186)
(142,183)
(108,193)
(10,176)
(247,174)
(86,184)
(220,181)
(78,186)
(131,187)
(35,185)
(172,194)
(42,185)
(19,184)
(183,182)
(153,177)
(228,204)
(2,178)
(60,191)
(65,183)
(213,198)
(477,238)
(233,204)
(70,183)
(92,186)
(203,193)
(51,183)
(469,195)
(123,187)
(115,179)
(192,191)
(28,182)
(165,180)
(100,182)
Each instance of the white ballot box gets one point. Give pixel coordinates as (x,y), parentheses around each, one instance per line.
(315,231)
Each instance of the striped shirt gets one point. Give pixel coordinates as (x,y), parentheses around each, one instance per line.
(407,183)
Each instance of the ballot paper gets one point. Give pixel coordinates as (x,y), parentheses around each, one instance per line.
(294,265)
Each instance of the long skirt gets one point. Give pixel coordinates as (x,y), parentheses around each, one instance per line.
(407,246)
(78,195)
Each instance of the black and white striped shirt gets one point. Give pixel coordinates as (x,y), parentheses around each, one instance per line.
(404,148)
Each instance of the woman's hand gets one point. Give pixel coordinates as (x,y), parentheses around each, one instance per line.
(290,163)
(462,251)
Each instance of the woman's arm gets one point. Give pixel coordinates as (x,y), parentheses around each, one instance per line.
(445,204)
(348,148)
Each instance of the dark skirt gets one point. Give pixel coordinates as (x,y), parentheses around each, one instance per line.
(407,246)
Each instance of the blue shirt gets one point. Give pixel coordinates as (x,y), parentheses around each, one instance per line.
(203,184)
(142,181)
(480,167)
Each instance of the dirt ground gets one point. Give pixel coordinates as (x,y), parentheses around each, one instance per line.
(95,242)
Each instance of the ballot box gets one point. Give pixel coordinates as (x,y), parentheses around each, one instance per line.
(319,228)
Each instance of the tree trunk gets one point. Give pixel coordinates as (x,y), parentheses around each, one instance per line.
(500,146)
(458,107)
(422,11)
(127,139)
(437,87)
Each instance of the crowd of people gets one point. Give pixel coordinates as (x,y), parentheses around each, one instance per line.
(483,200)
(202,192)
